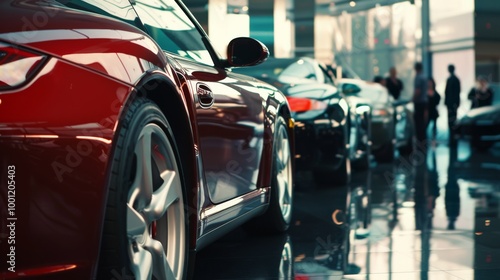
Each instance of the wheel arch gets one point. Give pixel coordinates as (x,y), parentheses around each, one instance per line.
(165,94)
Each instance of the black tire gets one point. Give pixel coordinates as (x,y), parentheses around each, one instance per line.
(364,162)
(386,153)
(136,223)
(407,148)
(325,175)
(331,175)
(279,212)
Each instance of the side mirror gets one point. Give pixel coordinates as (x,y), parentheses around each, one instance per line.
(350,89)
(244,51)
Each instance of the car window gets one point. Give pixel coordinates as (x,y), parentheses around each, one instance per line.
(300,69)
(172,29)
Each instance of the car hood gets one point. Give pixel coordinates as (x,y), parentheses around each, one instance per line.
(313,91)
(304,88)
(487,114)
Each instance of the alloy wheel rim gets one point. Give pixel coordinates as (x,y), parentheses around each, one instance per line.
(284,174)
(155,209)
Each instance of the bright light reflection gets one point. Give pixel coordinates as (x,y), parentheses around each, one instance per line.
(408,204)
(42,136)
(100,139)
(14,73)
(335,218)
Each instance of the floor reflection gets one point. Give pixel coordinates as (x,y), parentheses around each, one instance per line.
(433,214)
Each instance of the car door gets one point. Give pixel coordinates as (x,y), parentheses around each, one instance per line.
(229,114)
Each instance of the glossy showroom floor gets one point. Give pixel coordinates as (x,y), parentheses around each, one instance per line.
(436,218)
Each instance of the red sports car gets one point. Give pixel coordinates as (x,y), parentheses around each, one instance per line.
(127,144)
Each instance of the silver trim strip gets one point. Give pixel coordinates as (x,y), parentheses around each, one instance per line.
(218,208)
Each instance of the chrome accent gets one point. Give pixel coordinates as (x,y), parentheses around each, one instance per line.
(218,208)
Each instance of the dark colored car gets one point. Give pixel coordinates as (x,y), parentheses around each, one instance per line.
(481,126)
(391,121)
(126,144)
(329,133)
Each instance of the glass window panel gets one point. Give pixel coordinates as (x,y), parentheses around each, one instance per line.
(167,23)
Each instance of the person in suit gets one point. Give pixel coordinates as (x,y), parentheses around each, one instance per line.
(420,103)
(452,98)
(393,84)
(434,99)
(452,191)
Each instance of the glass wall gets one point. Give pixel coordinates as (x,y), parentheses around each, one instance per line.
(227,20)
(372,41)
(452,42)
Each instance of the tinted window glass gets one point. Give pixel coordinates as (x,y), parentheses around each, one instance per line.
(167,23)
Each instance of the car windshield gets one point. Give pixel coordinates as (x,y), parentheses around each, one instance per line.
(373,92)
(375,95)
(268,70)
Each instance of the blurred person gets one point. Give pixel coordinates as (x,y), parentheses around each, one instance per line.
(420,103)
(452,191)
(394,84)
(434,99)
(379,80)
(452,98)
(426,192)
(481,94)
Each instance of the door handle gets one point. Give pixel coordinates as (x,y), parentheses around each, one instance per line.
(205,96)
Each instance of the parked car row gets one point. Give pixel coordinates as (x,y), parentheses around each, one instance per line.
(391,120)
(361,117)
(331,130)
(481,126)
(127,143)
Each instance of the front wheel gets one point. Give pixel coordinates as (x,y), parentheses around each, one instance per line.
(386,152)
(279,213)
(280,207)
(145,229)
(325,175)
(364,162)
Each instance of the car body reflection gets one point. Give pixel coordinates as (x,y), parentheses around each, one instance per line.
(257,257)
(479,173)
(430,214)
